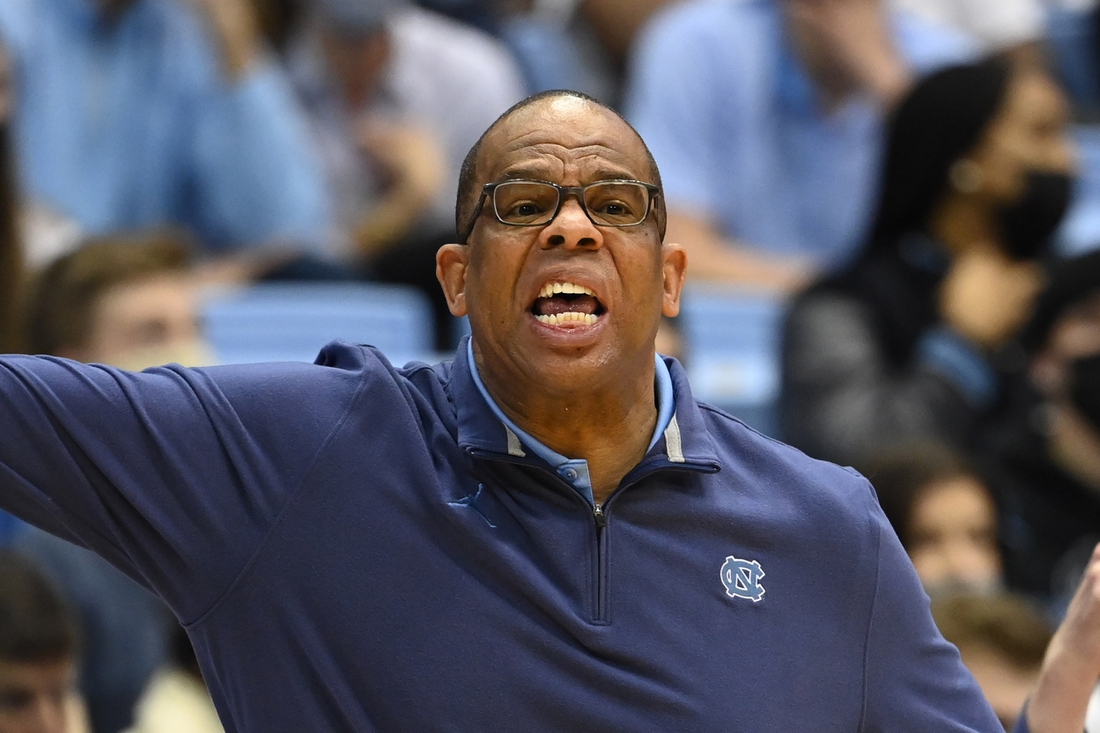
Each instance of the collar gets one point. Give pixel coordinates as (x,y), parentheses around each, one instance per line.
(680,441)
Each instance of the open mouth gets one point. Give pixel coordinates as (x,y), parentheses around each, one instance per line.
(567,304)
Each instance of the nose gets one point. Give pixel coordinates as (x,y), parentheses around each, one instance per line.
(571,228)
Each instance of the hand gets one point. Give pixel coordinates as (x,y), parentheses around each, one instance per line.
(234,25)
(1072,664)
(413,170)
(987,297)
(848,44)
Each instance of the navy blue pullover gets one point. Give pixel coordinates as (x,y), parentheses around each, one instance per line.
(354,547)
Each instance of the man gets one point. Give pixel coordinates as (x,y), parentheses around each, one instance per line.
(547,533)
(143,113)
(38,654)
(765,116)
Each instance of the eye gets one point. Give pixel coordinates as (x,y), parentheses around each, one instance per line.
(522,210)
(616,208)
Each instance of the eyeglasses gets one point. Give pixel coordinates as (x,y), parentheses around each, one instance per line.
(536,203)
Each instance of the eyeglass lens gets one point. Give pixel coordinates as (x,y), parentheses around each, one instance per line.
(609,203)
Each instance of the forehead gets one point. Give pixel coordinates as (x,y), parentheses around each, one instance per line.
(560,139)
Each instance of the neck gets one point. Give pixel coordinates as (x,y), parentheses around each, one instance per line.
(609,425)
(1075,447)
(960,222)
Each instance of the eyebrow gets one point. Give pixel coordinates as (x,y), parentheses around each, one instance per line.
(602,174)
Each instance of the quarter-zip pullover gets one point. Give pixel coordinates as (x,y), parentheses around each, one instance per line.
(354,547)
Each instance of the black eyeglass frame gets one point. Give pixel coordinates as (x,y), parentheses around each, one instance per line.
(563,191)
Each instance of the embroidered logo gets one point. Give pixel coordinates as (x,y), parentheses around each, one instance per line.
(742,579)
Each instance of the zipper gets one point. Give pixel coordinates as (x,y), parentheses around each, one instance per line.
(602,581)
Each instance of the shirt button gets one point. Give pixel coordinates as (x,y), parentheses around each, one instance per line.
(570,474)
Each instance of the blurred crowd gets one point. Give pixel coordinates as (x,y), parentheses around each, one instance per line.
(917,179)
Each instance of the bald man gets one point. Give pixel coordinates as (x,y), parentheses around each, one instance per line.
(546,533)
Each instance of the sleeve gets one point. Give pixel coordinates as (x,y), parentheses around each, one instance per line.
(842,399)
(175,476)
(674,85)
(257,176)
(914,680)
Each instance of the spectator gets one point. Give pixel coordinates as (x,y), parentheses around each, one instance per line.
(1002,640)
(38,654)
(132,115)
(977,177)
(128,302)
(764,116)
(396,95)
(1044,454)
(944,515)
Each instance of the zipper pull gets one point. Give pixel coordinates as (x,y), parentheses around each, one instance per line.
(601,518)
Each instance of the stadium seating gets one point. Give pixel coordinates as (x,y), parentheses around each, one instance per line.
(292,321)
(731,339)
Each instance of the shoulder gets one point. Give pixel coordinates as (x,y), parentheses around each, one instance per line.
(804,494)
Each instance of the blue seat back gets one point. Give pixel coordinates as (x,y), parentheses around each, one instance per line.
(731,339)
(292,321)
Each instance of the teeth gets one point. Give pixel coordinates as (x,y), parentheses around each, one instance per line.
(551,289)
(569,317)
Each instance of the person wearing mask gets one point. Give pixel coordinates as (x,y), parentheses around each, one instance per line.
(977,176)
(1043,455)
(766,119)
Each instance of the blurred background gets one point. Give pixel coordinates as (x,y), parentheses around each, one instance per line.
(891,210)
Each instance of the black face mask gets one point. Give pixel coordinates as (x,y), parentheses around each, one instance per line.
(1085,389)
(1028,224)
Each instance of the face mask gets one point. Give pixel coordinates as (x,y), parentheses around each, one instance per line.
(1085,389)
(1028,224)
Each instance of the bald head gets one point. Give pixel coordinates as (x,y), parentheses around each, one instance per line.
(537,109)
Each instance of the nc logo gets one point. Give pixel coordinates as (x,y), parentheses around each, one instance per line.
(742,579)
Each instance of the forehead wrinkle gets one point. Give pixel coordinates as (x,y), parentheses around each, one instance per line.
(599,164)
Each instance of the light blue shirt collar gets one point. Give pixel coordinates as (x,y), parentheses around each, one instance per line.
(575,470)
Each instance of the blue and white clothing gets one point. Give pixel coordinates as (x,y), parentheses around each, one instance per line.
(739,136)
(357,547)
(132,123)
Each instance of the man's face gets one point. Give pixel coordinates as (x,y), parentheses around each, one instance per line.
(35,697)
(503,276)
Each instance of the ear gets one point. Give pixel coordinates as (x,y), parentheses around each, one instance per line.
(451,262)
(674,266)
